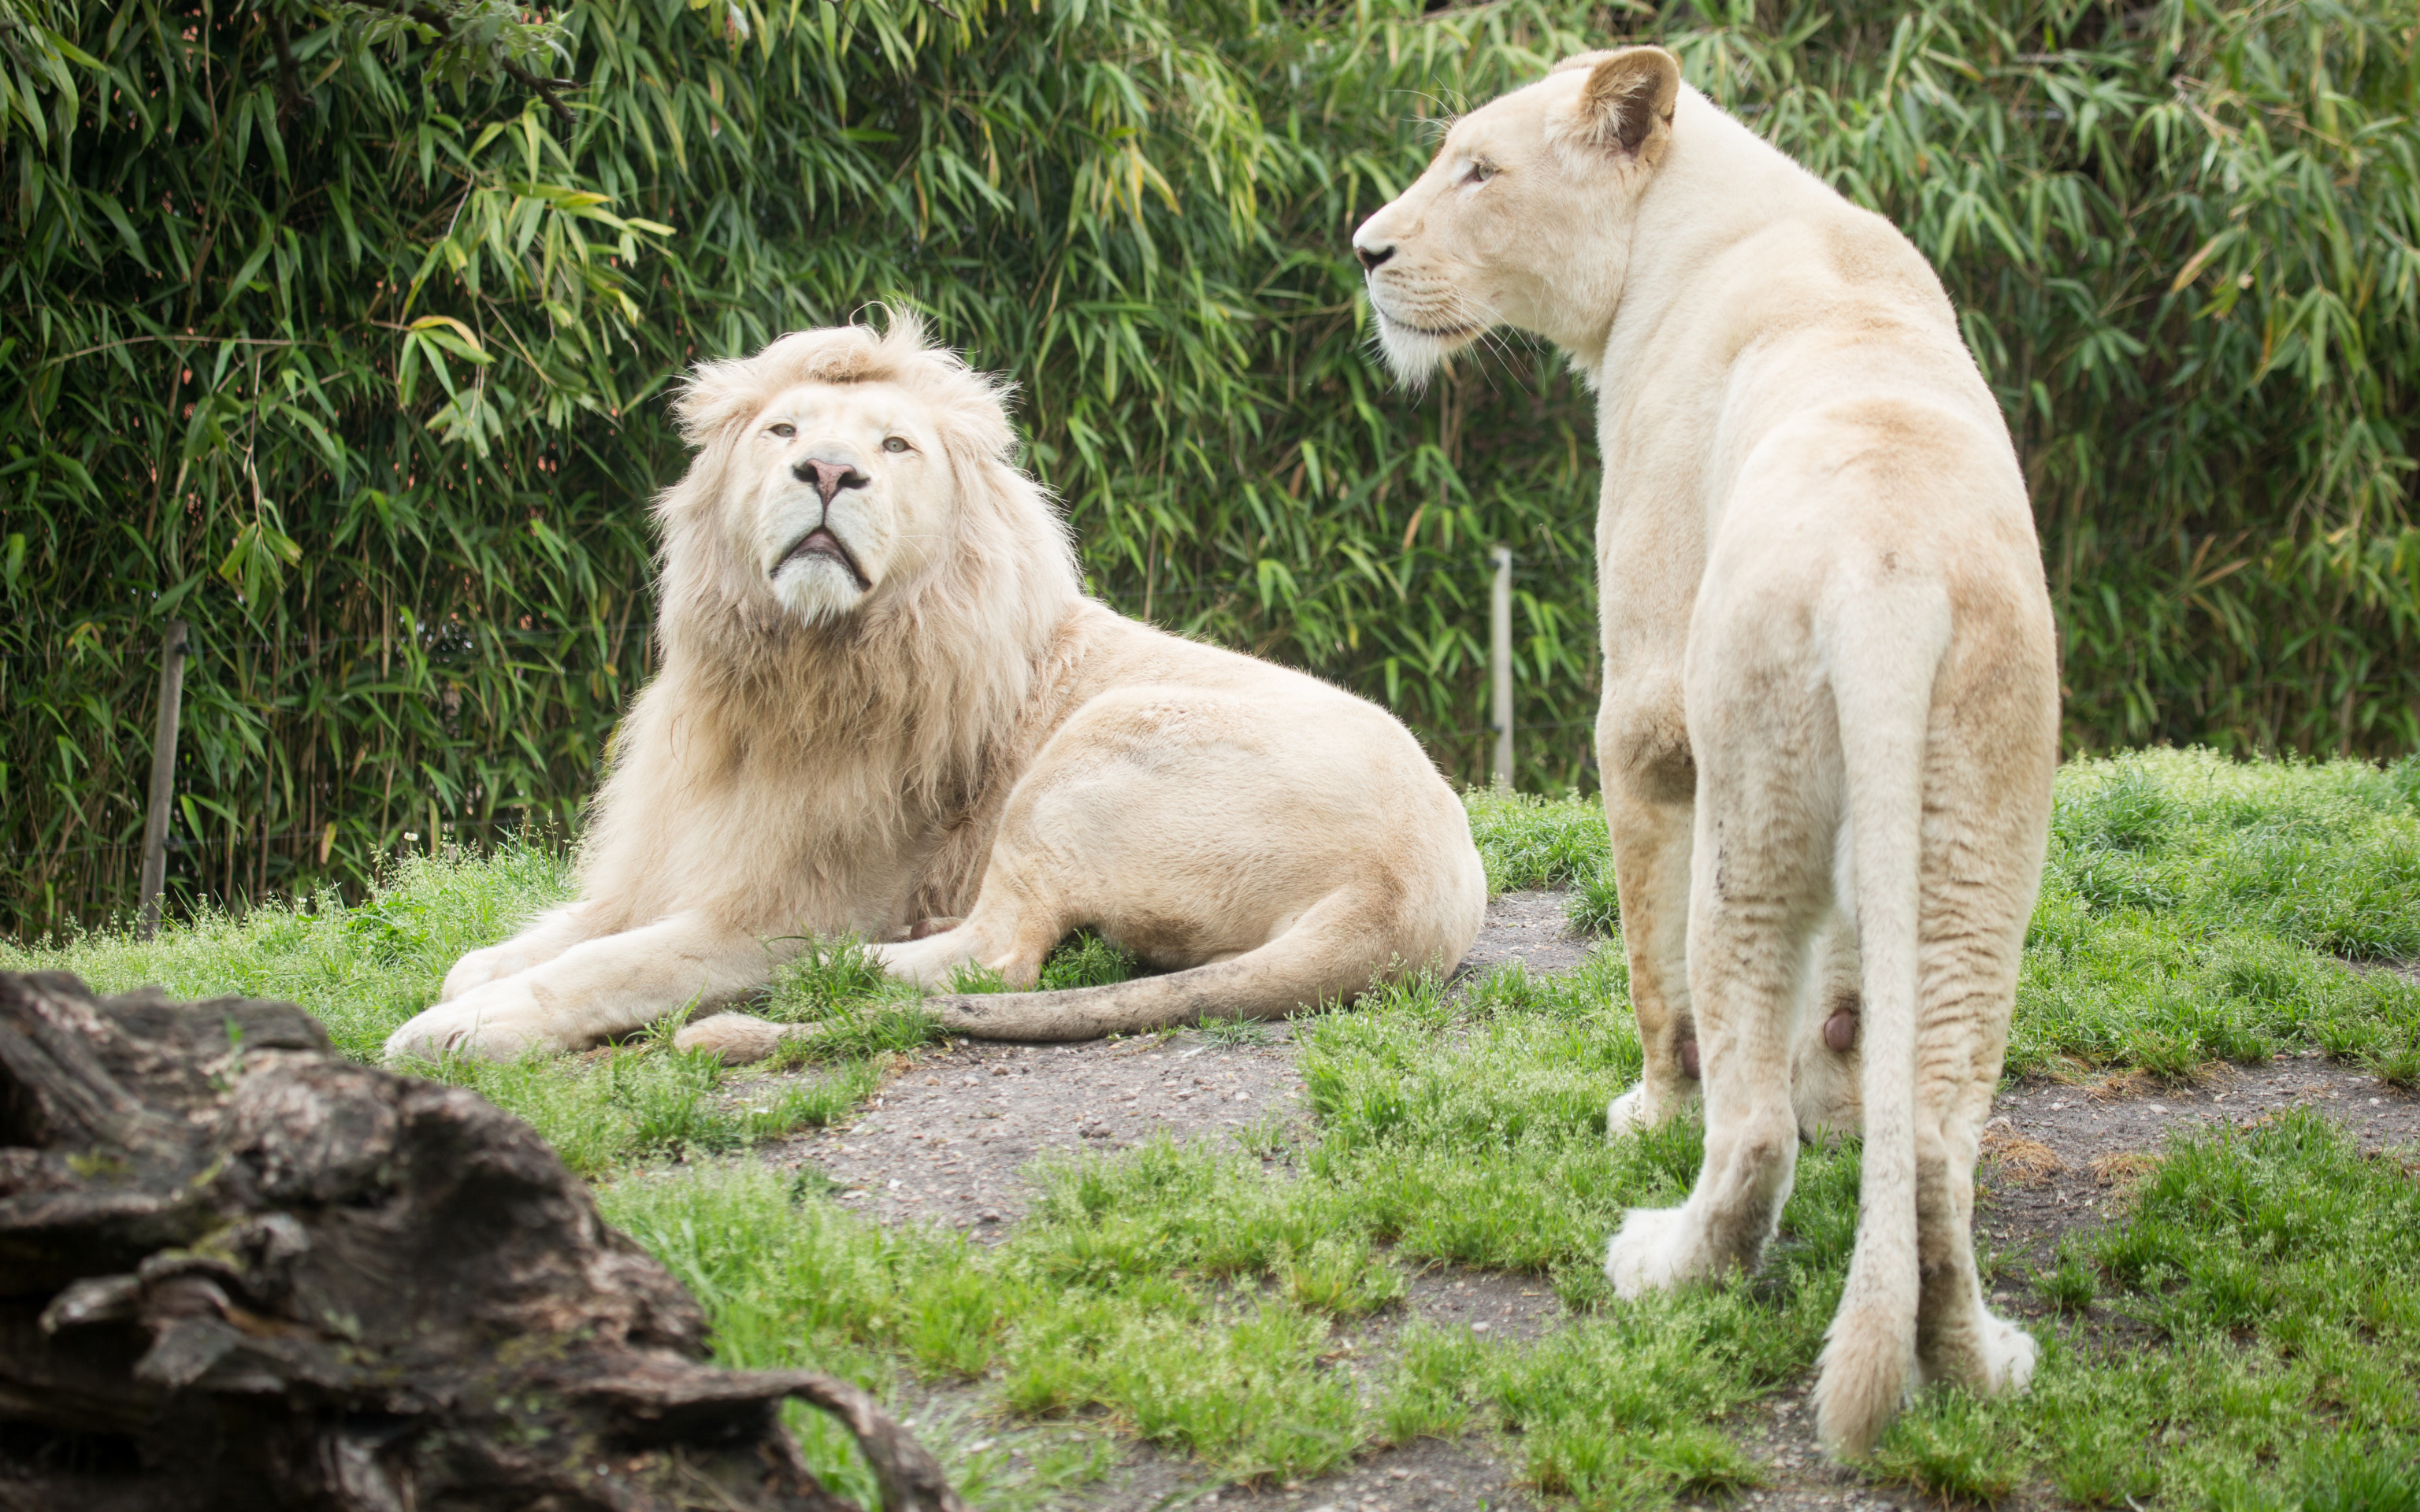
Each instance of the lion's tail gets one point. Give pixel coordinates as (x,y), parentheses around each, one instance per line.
(1887,648)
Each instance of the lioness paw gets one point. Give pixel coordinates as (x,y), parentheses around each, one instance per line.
(1651,1253)
(1627,1114)
(1636,1111)
(2008,1356)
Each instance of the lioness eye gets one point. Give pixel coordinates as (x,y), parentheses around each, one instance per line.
(786,430)
(1479,172)
(894,443)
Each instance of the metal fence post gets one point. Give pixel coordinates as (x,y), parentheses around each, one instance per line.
(1500,657)
(164,775)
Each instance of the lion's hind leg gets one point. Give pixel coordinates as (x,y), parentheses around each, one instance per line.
(1010,932)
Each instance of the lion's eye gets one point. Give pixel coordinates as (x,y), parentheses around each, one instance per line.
(784,430)
(894,443)
(1479,172)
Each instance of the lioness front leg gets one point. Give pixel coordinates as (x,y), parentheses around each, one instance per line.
(1648,810)
(609,985)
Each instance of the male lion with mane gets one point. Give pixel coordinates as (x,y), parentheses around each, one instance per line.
(1830,717)
(886,703)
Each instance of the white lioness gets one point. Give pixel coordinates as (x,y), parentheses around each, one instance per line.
(886,701)
(1830,690)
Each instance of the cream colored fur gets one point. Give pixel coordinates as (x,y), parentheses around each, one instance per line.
(885,701)
(1830,710)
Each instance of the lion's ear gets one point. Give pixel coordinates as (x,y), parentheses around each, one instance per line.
(1627,102)
(716,396)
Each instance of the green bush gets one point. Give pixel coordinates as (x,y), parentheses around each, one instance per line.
(340,338)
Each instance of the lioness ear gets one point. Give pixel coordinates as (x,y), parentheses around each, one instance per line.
(1627,102)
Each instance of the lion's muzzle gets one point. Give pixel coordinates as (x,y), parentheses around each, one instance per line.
(828,477)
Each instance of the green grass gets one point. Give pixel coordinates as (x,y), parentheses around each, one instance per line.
(1194,1297)
(2193,909)
(2272,1269)
(2198,909)
(2241,1337)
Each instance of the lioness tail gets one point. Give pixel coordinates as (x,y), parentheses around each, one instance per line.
(1888,647)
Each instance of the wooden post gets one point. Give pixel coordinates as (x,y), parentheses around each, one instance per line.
(1500,659)
(164,775)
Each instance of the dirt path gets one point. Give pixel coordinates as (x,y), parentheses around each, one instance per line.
(949,1143)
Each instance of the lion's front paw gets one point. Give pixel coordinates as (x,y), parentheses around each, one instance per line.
(1651,1253)
(500,1021)
(478,968)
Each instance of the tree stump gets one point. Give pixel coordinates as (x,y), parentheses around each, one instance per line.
(238,1271)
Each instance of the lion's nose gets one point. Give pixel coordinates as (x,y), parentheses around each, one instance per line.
(830,477)
(1372,256)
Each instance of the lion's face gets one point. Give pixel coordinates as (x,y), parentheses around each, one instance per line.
(844,489)
(1524,217)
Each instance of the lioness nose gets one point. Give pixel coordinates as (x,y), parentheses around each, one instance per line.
(830,477)
(1372,256)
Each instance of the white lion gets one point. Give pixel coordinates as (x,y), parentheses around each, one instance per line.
(1830,698)
(885,703)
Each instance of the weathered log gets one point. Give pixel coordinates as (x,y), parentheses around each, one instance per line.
(239,1271)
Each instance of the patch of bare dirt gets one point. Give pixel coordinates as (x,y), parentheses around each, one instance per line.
(2408,970)
(1531,928)
(2057,1154)
(1490,1303)
(1468,1475)
(948,1141)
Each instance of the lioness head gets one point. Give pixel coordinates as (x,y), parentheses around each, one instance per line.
(839,469)
(1523,218)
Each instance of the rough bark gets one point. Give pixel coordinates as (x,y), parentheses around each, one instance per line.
(239,1271)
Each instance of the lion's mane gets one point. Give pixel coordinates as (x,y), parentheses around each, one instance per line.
(848,732)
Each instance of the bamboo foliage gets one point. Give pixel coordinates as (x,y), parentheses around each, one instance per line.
(343,334)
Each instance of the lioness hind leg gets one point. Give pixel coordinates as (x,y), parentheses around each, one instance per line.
(1967,987)
(1824,1077)
(1958,1340)
(1763,886)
